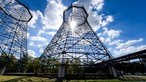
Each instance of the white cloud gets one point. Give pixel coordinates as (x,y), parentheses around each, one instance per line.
(36,15)
(111,33)
(31,53)
(37,38)
(130,46)
(109,36)
(97,4)
(41,50)
(129,49)
(53,15)
(52,33)
(118,46)
(108,40)
(40,32)
(42,44)
(115,42)
(52,18)
(31,44)
(128,43)
(108,19)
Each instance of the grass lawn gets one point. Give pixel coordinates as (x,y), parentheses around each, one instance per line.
(41,79)
(24,79)
(95,81)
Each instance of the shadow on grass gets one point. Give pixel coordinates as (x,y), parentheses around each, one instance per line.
(26,79)
(131,78)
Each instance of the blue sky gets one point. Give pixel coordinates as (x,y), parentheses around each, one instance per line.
(120,24)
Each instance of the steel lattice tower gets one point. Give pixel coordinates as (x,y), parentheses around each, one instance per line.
(13,27)
(75,43)
(76,40)
(14,17)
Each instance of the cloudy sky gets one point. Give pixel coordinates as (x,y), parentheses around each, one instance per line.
(120,24)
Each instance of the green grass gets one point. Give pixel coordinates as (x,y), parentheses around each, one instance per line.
(133,78)
(95,81)
(41,79)
(24,79)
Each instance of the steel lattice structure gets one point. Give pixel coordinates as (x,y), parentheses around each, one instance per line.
(75,41)
(14,17)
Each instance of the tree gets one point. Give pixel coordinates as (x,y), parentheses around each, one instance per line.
(23,61)
(3,62)
(33,65)
(7,62)
(11,67)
